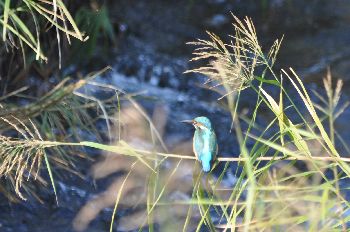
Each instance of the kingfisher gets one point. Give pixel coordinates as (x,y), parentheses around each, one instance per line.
(205,145)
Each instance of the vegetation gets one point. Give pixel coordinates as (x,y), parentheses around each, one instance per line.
(41,37)
(291,178)
(278,194)
(27,25)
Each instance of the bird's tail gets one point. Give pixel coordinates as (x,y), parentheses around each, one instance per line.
(206,166)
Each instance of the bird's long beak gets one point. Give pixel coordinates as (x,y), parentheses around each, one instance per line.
(188,121)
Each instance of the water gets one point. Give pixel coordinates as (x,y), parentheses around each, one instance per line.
(150,59)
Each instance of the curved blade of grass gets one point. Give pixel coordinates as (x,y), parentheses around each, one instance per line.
(119,196)
(165,185)
(6,17)
(51,176)
(308,104)
(196,181)
(285,122)
(70,19)
(271,82)
(124,149)
(23,27)
(21,37)
(48,18)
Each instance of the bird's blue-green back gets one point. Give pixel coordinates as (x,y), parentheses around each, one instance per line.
(204,142)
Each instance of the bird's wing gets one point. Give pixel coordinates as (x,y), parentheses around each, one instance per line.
(213,145)
(197,145)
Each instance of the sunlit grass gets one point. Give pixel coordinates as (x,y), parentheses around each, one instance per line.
(53,12)
(290,142)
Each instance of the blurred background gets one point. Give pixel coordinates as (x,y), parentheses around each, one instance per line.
(145,44)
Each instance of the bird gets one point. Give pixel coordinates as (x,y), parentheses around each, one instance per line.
(205,145)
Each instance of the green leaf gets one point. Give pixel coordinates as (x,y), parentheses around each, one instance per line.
(51,176)
(272,82)
(6,17)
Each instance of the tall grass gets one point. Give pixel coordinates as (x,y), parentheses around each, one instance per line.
(293,140)
(292,175)
(15,27)
(45,119)
(42,36)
